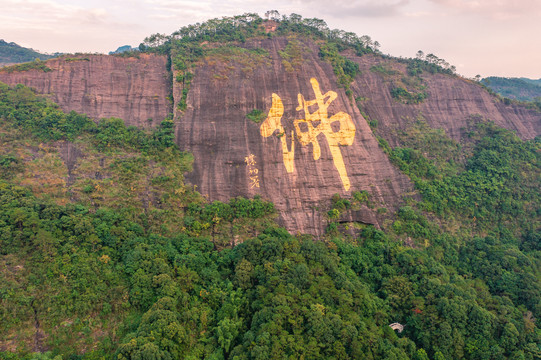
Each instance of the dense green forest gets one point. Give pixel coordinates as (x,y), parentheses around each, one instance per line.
(11,53)
(515,88)
(118,258)
(532,81)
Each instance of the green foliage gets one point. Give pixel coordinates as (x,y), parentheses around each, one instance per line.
(292,55)
(9,165)
(318,29)
(537,103)
(513,88)
(12,53)
(405,88)
(373,124)
(22,108)
(493,190)
(344,69)
(256,115)
(241,27)
(184,55)
(226,29)
(499,173)
(431,64)
(384,70)
(361,196)
(407,97)
(37,64)
(35,116)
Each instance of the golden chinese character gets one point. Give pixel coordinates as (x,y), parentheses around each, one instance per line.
(344,136)
(254,181)
(254,171)
(250,159)
(272,123)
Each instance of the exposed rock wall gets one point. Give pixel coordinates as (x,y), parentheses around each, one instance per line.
(451,104)
(133,89)
(222,139)
(312,140)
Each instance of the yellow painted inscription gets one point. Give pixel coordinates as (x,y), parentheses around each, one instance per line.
(252,170)
(315,123)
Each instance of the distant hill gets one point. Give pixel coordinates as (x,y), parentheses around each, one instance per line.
(122,49)
(265,189)
(11,53)
(532,81)
(514,88)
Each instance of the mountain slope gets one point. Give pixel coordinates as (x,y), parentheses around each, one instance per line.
(134,89)
(217,86)
(106,252)
(11,53)
(514,88)
(216,129)
(451,103)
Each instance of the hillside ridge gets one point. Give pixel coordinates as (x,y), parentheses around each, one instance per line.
(216,88)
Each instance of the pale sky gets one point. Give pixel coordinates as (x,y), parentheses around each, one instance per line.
(485,37)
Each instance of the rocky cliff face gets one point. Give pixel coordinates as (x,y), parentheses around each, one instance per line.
(452,103)
(311,142)
(133,89)
(277,124)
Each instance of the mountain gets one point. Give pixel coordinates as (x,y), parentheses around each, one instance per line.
(122,49)
(131,88)
(216,87)
(532,81)
(248,188)
(11,53)
(514,88)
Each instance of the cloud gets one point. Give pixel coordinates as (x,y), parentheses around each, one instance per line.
(68,26)
(187,12)
(92,16)
(206,8)
(337,8)
(40,14)
(494,9)
(359,8)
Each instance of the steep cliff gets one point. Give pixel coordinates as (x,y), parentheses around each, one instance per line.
(105,249)
(300,153)
(133,89)
(451,104)
(268,117)
(278,158)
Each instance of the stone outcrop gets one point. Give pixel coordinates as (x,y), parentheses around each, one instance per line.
(451,104)
(133,89)
(235,156)
(275,126)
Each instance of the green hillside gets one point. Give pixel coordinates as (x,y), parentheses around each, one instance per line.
(532,81)
(119,258)
(11,53)
(514,88)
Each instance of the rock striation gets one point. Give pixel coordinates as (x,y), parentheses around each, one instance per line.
(278,126)
(451,105)
(291,156)
(130,88)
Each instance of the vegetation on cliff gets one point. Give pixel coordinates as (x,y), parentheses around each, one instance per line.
(165,274)
(37,64)
(192,43)
(105,252)
(515,88)
(11,53)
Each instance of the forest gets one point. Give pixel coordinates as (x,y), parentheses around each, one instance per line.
(11,53)
(134,263)
(521,89)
